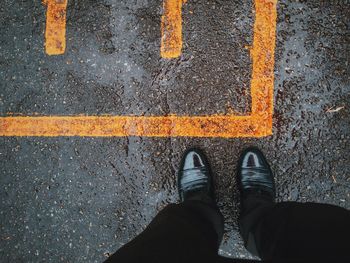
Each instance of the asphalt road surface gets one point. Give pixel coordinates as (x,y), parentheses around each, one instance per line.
(78,199)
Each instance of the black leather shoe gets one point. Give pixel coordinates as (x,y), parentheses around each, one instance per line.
(194,177)
(255,175)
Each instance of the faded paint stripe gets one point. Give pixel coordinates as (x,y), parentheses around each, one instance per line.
(55,33)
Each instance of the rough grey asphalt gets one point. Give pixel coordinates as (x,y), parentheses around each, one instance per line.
(79,199)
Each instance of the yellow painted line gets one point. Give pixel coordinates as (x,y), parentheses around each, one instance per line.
(171,29)
(107,126)
(55,33)
(263,57)
(258,124)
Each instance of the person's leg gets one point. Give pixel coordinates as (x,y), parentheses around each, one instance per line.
(188,232)
(254,209)
(183,232)
(291,230)
(257,189)
(287,230)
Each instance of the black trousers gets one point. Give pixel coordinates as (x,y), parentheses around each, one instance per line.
(282,232)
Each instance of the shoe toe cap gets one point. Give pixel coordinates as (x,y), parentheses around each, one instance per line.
(193,159)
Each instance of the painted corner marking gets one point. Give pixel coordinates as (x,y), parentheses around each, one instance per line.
(258,124)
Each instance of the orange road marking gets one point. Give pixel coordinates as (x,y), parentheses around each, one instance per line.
(55,33)
(171,29)
(108,126)
(263,57)
(258,124)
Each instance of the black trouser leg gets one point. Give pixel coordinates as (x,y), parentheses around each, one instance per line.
(187,232)
(292,230)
